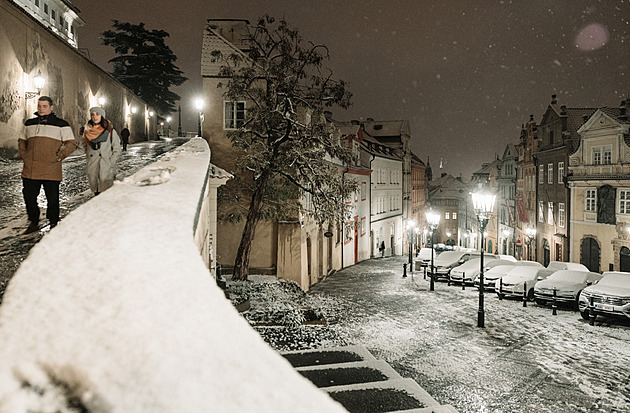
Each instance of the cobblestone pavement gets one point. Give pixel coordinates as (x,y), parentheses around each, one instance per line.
(524,360)
(74,191)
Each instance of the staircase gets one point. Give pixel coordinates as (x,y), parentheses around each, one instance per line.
(362,384)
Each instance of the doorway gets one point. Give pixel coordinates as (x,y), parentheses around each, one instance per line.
(590,254)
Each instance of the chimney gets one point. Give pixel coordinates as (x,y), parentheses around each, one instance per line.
(622,111)
(563,110)
(553,100)
(328,115)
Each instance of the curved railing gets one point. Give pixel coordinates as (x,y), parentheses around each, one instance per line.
(115,310)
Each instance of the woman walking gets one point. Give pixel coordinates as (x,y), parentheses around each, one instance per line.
(101,144)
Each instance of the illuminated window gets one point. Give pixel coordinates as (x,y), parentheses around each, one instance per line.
(561,215)
(624,201)
(541,174)
(550,173)
(550,213)
(560,172)
(541,212)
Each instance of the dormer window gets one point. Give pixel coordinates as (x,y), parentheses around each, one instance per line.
(551,137)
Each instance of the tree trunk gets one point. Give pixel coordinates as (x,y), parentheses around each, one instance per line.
(241,263)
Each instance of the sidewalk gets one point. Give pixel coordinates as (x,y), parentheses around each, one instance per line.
(524,360)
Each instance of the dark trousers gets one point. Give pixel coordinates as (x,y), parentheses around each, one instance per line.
(30,190)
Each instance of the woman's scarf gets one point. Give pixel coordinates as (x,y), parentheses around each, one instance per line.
(93,132)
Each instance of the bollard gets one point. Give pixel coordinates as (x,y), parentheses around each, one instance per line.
(425,273)
(524,294)
(405,270)
(411,268)
(448,279)
(500,288)
(591,312)
(463,281)
(554,303)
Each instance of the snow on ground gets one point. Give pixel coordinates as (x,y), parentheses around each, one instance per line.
(525,359)
(115,311)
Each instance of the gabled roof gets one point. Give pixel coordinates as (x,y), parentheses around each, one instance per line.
(489,168)
(212,41)
(615,115)
(510,150)
(416,159)
(448,187)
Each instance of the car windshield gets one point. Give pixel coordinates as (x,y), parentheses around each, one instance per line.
(572,276)
(500,269)
(616,280)
(450,256)
(523,272)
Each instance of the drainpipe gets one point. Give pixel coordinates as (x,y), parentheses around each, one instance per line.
(343,180)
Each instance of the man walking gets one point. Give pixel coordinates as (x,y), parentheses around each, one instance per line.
(47,141)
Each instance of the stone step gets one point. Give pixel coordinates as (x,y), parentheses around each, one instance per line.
(328,375)
(352,376)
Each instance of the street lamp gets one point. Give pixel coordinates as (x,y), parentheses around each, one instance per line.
(101,101)
(531,233)
(483,203)
(433,219)
(199,106)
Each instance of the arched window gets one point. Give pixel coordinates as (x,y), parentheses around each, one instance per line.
(624,259)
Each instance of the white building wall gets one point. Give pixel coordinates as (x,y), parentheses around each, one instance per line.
(386,210)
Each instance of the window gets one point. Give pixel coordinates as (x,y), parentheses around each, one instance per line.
(541,213)
(550,173)
(560,172)
(550,213)
(561,215)
(454,215)
(591,200)
(541,174)
(234,114)
(551,137)
(597,156)
(53,15)
(37,3)
(624,201)
(363,191)
(45,8)
(607,156)
(446,215)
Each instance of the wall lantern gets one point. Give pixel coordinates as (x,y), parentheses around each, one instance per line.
(39,82)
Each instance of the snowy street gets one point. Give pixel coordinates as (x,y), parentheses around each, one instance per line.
(524,360)
(74,191)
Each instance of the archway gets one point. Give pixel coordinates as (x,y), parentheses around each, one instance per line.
(546,253)
(590,254)
(624,259)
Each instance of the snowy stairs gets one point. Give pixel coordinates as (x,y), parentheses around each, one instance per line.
(362,384)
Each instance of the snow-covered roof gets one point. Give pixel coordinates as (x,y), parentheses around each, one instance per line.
(212,41)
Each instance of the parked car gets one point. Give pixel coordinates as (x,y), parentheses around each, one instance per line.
(560,265)
(568,284)
(520,279)
(493,274)
(470,269)
(423,258)
(507,257)
(611,295)
(451,259)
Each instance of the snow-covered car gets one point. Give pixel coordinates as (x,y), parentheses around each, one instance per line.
(611,296)
(560,265)
(493,274)
(568,285)
(520,279)
(448,260)
(507,257)
(469,270)
(423,258)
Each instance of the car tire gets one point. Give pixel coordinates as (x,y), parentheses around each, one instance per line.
(585,315)
(530,295)
(577,300)
(501,296)
(540,302)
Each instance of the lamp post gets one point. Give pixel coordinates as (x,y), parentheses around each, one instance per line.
(199,106)
(39,81)
(531,233)
(433,219)
(483,203)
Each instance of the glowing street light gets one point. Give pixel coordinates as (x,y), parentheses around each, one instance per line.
(483,204)
(199,106)
(38,81)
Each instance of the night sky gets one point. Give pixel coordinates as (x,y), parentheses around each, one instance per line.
(466,73)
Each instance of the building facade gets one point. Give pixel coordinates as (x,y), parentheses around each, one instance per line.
(599,180)
(525,199)
(558,138)
(506,201)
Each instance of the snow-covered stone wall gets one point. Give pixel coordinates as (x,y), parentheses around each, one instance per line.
(115,311)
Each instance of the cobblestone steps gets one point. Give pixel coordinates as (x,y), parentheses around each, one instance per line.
(352,376)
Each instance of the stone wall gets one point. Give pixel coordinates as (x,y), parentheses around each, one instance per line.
(72,81)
